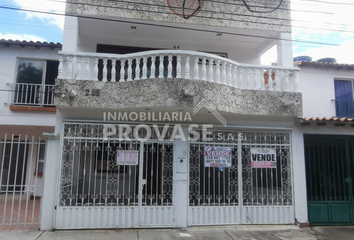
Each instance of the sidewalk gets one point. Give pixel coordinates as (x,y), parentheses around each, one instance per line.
(263,232)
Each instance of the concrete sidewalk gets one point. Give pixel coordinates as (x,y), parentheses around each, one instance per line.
(263,232)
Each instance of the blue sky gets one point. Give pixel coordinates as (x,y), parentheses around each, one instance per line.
(31,26)
(327,21)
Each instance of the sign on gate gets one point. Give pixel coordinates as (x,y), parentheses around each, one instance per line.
(126,157)
(217,156)
(263,158)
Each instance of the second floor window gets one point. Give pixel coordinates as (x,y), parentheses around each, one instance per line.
(344,98)
(35,80)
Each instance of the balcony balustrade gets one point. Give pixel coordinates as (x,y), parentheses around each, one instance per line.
(175,64)
(32,94)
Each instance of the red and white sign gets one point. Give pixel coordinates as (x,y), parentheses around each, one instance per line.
(263,158)
(127,157)
(217,156)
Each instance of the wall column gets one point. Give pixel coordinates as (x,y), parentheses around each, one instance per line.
(71,34)
(299,178)
(285,50)
(50,178)
(181,188)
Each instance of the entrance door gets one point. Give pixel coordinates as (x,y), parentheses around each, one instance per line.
(113,183)
(329,166)
(156,178)
(250,189)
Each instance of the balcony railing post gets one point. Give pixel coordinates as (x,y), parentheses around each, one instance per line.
(211,71)
(137,69)
(204,78)
(277,82)
(270,80)
(249,85)
(144,68)
(234,77)
(60,67)
(196,68)
(217,77)
(262,80)
(95,70)
(87,68)
(223,76)
(240,70)
(178,75)
(70,68)
(187,68)
(122,70)
(169,66)
(129,70)
(286,81)
(255,78)
(153,67)
(78,68)
(161,72)
(229,74)
(113,78)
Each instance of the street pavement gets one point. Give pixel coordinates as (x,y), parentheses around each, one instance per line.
(244,232)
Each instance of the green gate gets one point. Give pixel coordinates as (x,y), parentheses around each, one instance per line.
(329,173)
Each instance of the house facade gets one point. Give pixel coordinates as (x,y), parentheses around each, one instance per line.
(28,71)
(327,126)
(165,118)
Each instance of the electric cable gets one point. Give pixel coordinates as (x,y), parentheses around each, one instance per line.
(174,27)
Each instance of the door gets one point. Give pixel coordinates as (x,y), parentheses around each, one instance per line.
(113,183)
(156,208)
(254,188)
(329,166)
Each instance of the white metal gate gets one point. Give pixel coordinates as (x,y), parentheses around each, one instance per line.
(21,182)
(98,192)
(242,193)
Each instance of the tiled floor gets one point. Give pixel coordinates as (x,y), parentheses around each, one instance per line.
(15,214)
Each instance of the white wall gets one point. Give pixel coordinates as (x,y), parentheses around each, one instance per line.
(8,64)
(317,87)
(242,55)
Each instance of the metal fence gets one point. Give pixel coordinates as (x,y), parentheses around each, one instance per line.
(32,94)
(21,180)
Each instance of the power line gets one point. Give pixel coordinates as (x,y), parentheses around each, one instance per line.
(229,19)
(174,27)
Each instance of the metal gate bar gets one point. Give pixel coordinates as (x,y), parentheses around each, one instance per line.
(22,164)
(329,162)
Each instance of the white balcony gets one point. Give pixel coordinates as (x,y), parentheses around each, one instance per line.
(175,64)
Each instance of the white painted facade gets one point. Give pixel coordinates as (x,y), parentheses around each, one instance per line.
(22,126)
(321,78)
(82,35)
(8,63)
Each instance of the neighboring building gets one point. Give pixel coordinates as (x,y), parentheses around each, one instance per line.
(27,74)
(327,126)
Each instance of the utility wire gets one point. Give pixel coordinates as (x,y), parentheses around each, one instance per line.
(164,26)
(229,19)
